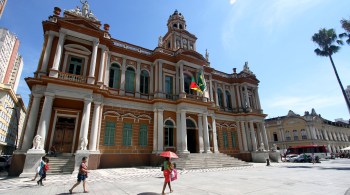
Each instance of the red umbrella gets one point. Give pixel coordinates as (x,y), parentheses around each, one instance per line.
(168,154)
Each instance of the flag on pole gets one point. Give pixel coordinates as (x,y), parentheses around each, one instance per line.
(194,85)
(201,82)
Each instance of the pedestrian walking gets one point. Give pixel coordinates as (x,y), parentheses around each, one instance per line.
(43,172)
(82,175)
(39,168)
(168,167)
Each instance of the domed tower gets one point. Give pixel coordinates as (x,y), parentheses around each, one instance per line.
(177,36)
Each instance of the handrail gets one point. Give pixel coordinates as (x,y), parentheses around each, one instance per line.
(71,77)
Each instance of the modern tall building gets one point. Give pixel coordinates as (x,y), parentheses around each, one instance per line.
(11,63)
(122,104)
(12,117)
(2,6)
(310,129)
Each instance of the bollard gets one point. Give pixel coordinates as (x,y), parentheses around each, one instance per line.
(267,162)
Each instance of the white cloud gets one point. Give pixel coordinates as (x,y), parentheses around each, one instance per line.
(232,2)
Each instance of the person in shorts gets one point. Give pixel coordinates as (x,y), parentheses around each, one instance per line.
(82,175)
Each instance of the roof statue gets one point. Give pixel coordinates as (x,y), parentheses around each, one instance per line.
(84,11)
(160,41)
(206,55)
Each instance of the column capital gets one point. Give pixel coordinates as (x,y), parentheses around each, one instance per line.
(87,100)
(95,42)
(49,94)
(37,95)
(97,103)
(200,115)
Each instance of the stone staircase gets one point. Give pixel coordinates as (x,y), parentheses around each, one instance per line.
(61,165)
(207,161)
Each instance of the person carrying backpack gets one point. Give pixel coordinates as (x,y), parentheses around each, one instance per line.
(43,172)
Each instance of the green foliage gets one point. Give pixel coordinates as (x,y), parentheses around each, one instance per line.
(325,38)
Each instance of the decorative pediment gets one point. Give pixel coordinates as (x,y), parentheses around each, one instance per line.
(190,53)
(82,22)
(77,49)
(111,114)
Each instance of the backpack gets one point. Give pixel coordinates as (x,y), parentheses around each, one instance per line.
(46,167)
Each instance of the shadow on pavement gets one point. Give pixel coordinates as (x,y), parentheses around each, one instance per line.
(64,193)
(148,193)
(299,167)
(336,168)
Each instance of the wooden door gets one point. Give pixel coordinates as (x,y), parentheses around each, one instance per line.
(64,133)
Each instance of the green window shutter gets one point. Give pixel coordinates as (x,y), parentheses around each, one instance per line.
(143,135)
(224,135)
(233,137)
(109,134)
(129,81)
(127,134)
(117,78)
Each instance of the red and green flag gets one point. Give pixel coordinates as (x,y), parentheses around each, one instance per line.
(200,85)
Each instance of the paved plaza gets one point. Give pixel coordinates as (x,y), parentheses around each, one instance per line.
(329,178)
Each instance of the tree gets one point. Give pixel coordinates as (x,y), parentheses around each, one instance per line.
(325,38)
(346,26)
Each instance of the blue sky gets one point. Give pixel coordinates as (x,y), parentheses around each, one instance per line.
(274,36)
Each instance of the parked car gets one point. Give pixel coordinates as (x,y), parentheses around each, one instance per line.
(303,158)
(291,157)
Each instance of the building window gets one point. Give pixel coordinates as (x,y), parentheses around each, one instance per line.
(169,133)
(224,136)
(295,134)
(288,136)
(169,87)
(275,138)
(187,83)
(220,98)
(109,134)
(143,135)
(144,82)
(114,76)
(127,134)
(228,100)
(130,80)
(303,134)
(233,138)
(75,65)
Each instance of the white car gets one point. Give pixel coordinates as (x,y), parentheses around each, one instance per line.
(291,157)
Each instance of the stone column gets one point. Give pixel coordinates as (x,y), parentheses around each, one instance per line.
(57,59)
(238,97)
(108,66)
(246,96)
(177,79)
(47,53)
(94,126)
(155,132)
(184,131)
(102,66)
(91,78)
(31,123)
(224,94)
(45,117)
(200,133)
(182,82)
(137,80)
(252,131)
(151,89)
(215,138)
(211,88)
(179,133)
(216,94)
(160,131)
(244,137)
(258,98)
(84,127)
(233,98)
(264,135)
(160,81)
(122,78)
(206,134)
(239,137)
(329,148)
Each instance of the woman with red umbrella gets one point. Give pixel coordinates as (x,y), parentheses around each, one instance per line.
(168,167)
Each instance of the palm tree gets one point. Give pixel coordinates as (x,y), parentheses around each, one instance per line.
(325,39)
(346,26)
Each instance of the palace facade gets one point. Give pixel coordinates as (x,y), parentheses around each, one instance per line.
(124,104)
(310,129)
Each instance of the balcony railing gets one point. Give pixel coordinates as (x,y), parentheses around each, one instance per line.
(71,77)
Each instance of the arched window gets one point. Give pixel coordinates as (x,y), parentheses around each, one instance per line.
(295,135)
(169,133)
(224,137)
(144,82)
(228,100)
(190,124)
(187,83)
(175,25)
(130,80)
(303,134)
(180,26)
(287,136)
(114,76)
(220,98)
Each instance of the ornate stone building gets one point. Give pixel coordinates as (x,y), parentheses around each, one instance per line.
(310,129)
(122,104)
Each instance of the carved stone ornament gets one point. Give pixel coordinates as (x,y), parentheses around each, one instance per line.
(37,145)
(274,148)
(83,143)
(160,41)
(261,148)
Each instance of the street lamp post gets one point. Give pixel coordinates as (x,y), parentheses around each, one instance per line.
(17,125)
